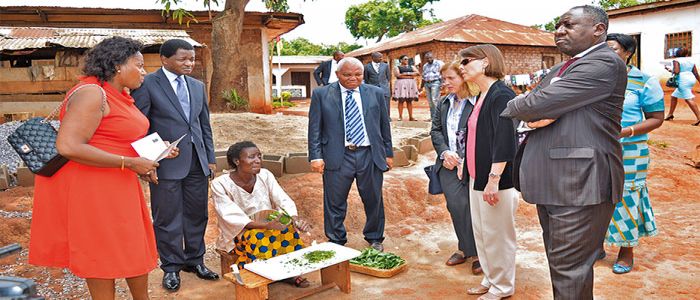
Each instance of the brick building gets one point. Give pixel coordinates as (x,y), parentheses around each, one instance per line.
(525,49)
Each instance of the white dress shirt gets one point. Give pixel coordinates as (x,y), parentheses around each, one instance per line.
(334,67)
(375,66)
(358,100)
(235,207)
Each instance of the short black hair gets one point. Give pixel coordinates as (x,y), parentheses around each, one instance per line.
(170,47)
(102,60)
(596,13)
(234,152)
(627,42)
(402,56)
(376,54)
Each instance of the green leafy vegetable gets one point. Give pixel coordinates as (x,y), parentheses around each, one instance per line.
(319,255)
(372,258)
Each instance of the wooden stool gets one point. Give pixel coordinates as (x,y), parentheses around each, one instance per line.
(255,286)
(227,259)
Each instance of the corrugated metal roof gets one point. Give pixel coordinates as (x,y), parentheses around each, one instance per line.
(18,38)
(468,29)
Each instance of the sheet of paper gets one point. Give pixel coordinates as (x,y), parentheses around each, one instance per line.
(150,146)
(165,153)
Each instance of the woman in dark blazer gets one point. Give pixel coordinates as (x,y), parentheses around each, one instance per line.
(490,149)
(449,124)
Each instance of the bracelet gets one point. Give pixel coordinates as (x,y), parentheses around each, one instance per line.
(632,130)
(122,167)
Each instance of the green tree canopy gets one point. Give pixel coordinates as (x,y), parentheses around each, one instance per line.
(380,18)
(605,4)
(302,46)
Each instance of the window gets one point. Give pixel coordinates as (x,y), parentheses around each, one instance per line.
(676,41)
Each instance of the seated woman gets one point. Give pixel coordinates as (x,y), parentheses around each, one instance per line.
(239,195)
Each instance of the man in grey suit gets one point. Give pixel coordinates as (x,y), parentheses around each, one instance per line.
(350,139)
(572,168)
(377,73)
(324,74)
(176,105)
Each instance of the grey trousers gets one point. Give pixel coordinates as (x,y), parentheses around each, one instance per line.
(572,239)
(457,198)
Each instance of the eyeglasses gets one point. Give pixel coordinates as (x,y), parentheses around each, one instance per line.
(466,61)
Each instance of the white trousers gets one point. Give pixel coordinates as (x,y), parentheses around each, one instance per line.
(494,234)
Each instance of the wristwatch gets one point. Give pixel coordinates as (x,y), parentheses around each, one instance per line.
(494,175)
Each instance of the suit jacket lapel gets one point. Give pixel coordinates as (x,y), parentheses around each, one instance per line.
(168,89)
(465,114)
(334,90)
(365,102)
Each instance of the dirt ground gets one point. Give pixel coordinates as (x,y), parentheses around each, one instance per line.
(418,228)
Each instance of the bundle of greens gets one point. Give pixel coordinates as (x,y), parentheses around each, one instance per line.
(281,215)
(372,258)
(319,255)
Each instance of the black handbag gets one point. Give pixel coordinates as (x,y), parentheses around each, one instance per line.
(434,187)
(35,142)
(672,82)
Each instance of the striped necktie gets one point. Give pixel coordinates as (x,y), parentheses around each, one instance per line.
(354,129)
(566,65)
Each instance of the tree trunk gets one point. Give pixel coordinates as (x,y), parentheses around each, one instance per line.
(230,69)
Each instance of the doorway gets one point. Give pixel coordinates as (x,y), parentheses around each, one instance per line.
(302,78)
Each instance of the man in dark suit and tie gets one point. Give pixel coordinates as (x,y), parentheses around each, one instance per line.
(350,139)
(176,105)
(377,73)
(325,72)
(572,168)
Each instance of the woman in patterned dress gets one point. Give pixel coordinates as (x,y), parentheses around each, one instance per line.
(643,111)
(687,75)
(241,194)
(405,87)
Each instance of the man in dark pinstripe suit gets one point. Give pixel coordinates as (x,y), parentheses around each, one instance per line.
(572,168)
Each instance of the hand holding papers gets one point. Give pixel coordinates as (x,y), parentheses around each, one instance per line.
(153,147)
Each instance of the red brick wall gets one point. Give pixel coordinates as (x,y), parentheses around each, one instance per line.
(518,59)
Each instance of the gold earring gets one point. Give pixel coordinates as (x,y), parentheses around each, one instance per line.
(119,71)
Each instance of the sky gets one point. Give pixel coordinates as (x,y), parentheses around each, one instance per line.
(325,19)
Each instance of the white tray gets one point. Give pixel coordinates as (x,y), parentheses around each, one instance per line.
(278,268)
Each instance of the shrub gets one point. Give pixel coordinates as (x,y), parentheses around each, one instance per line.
(233,100)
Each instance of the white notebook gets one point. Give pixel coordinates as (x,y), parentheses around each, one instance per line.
(153,147)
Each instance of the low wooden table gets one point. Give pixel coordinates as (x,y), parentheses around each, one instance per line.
(255,286)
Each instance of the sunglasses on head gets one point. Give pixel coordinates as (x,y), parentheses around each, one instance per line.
(466,61)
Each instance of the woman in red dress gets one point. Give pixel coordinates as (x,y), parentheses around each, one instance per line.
(91,216)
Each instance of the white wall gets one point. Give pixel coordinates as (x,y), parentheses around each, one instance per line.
(653,27)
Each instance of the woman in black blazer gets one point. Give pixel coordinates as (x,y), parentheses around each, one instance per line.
(490,148)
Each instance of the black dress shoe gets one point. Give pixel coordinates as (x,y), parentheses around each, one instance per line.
(202,272)
(171,281)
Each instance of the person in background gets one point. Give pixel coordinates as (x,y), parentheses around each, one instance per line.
(491,145)
(405,87)
(350,140)
(572,168)
(241,194)
(432,80)
(378,73)
(176,105)
(642,112)
(451,119)
(324,74)
(91,216)
(686,73)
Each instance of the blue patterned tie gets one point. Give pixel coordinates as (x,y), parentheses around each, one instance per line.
(354,129)
(182,96)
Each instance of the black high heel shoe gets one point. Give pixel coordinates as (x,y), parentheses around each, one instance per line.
(696,123)
(669,118)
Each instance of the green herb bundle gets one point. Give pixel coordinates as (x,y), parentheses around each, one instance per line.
(319,255)
(372,258)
